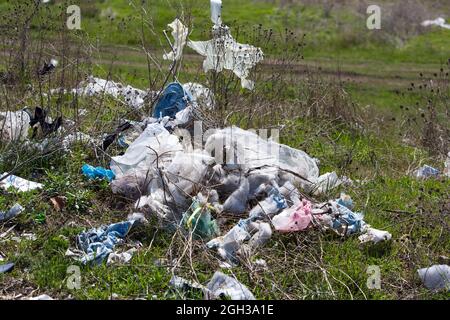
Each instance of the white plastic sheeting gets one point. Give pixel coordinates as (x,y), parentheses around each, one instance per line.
(436,277)
(154,147)
(440,22)
(216,12)
(132,97)
(20,184)
(201,95)
(179,34)
(374,235)
(14,126)
(247,150)
(223,52)
(222,285)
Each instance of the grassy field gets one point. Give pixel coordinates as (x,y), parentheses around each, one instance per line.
(373,69)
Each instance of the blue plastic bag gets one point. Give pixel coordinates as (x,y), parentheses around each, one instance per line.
(97,173)
(173,100)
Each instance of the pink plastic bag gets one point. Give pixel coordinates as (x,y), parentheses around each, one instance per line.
(293,219)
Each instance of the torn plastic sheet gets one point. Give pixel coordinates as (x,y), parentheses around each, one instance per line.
(11,213)
(19,183)
(98,243)
(223,52)
(223,286)
(179,34)
(133,97)
(436,277)
(14,126)
(440,22)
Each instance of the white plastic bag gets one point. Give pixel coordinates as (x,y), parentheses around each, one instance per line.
(155,147)
(14,126)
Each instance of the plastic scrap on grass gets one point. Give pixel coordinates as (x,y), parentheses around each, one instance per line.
(440,22)
(95,245)
(11,213)
(221,286)
(436,277)
(93,173)
(221,52)
(9,180)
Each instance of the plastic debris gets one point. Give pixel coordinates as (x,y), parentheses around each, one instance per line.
(14,126)
(200,94)
(374,235)
(223,286)
(216,12)
(44,297)
(180,34)
(182,284)
(346,201)
(121,258)
(110,138)
(133,97)
(5,268)
(436,277)
(237,201)
(347,222)
(19,183)
(173,100)
(223,52)
(296,218)
(248,151)
(11,213)
(198,219)
(228,245)
(137,217)
(425,172)
(98,243)
(154,147)
(48,67)
(440,22)
(231,243)
(97,173)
